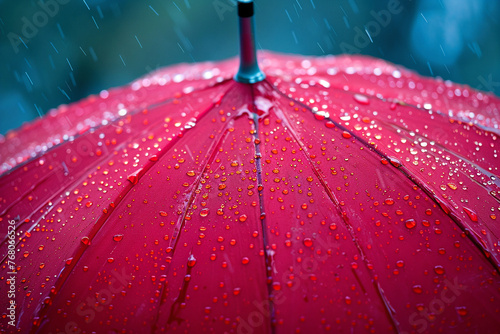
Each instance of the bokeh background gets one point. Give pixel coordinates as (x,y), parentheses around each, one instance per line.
(58,51)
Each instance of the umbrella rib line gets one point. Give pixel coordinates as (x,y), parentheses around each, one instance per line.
(22,196)
(89,168)
(199,90)
(213,153)
(63,276)
(133,112)
(331,196)
(492,259)
(57,195)
(181,223)
(263,221)
(473,165)
(437,112)
(455,154)
(391,100)
(70,185)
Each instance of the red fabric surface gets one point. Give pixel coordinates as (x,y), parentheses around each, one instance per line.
(342,194)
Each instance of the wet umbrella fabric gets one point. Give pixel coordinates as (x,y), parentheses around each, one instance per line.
(341,193)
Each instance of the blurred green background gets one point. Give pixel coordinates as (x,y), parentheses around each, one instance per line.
(58,51)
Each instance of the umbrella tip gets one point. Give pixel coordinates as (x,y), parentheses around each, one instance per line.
(249,71)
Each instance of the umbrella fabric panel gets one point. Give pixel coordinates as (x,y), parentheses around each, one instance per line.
(376,77)
(69,120)
(312,252)
(394,222)
(451,164)
(169,206)
(184,207)
(88,191)
(226,210)
(36,181)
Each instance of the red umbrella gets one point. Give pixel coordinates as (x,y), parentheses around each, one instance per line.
(340,194)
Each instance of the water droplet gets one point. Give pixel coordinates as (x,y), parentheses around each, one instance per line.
(389,201)
(85,241)
(204,212)
(361,99)
(118,237)
(461,310)
(319,117)
(191,173)
(395,162)
(472,215)
(191,261)
(346,134)
(410,223)
(308,242)
(245,260)
(439,270)
(242,218)
(134,177)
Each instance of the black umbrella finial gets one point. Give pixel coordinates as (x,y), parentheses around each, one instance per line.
(249,71)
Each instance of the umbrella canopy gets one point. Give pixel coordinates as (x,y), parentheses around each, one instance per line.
(340,194)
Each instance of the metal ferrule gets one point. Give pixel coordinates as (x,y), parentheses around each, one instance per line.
(249,71)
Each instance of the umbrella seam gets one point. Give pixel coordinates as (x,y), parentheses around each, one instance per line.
(74,183)
(387,307)
(41,310)
(263,220)
(211,157)
(459,157)
(134,112)
(491,258)
(395,100)
(213,153)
